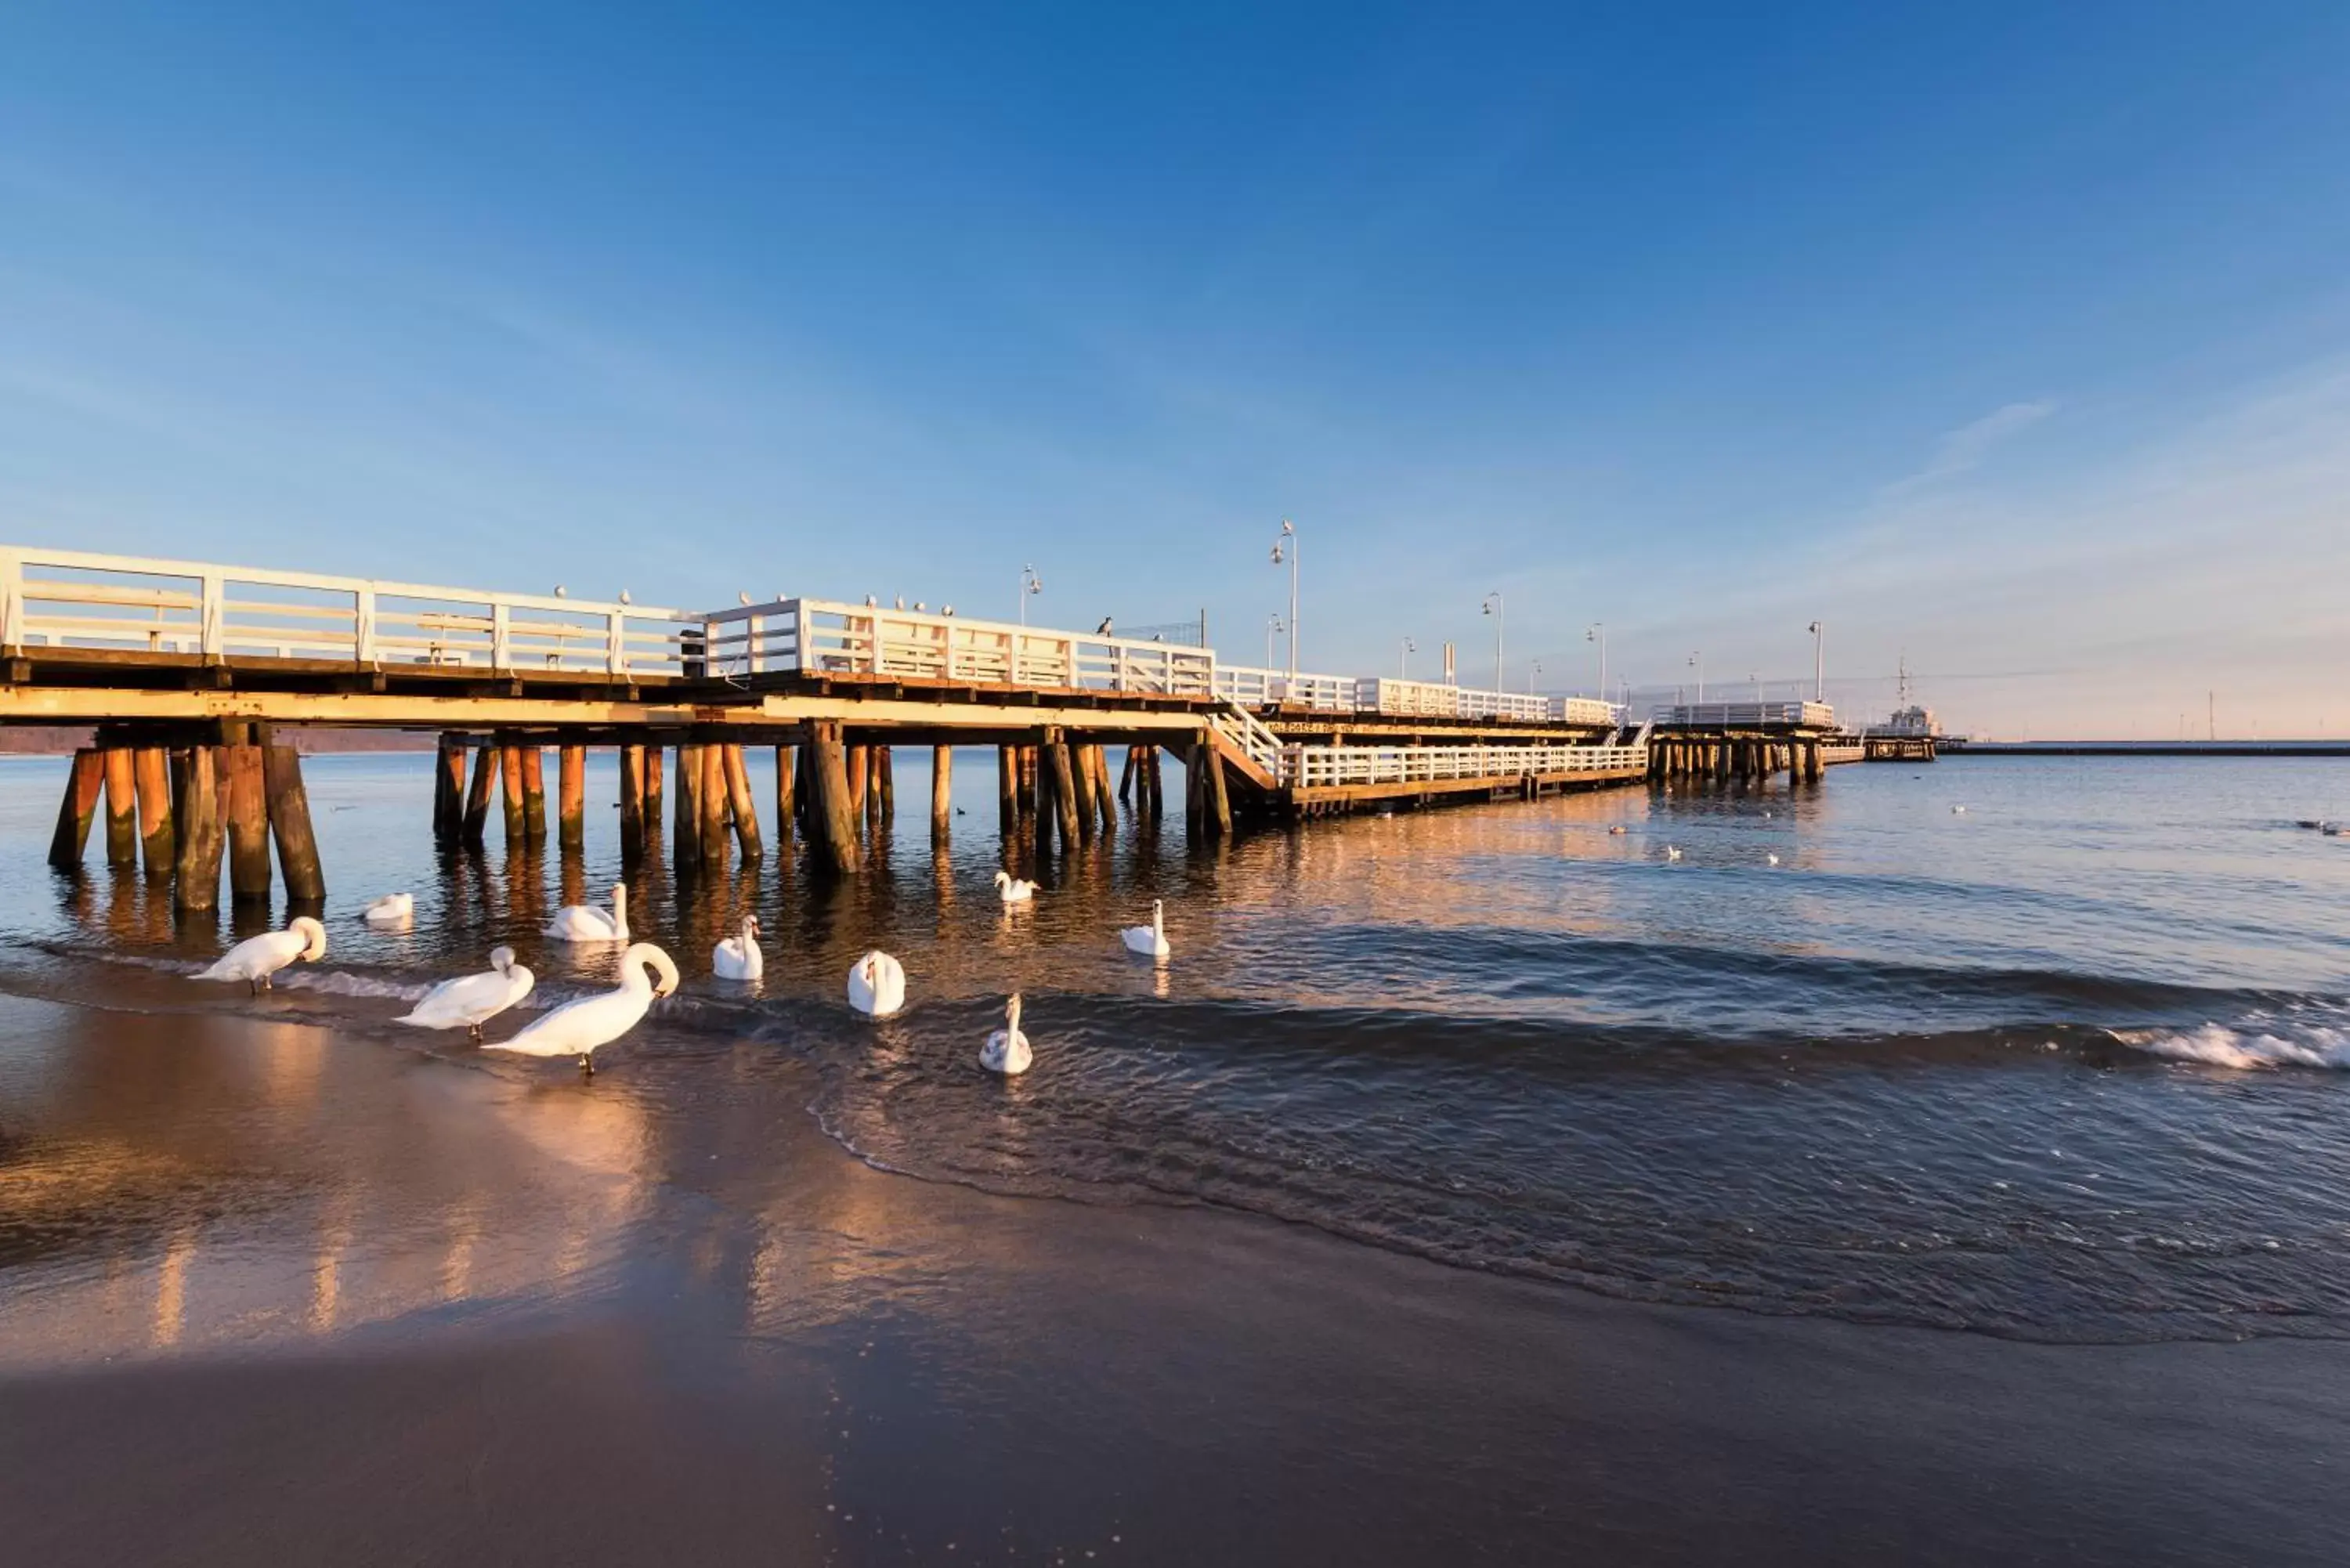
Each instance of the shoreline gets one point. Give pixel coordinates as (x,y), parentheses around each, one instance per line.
(718,1337)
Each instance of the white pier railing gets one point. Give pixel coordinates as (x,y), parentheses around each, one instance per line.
(821,636)
(72,598)
(1747,715)
(1324,767)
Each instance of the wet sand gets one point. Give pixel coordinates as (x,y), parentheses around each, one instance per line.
(421,1310)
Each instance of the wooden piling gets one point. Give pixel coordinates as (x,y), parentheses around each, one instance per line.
(804,793)
(832,826)
(1032,781)
(1105,796)
(746,808)
(533,793)
(941,791)
(1126,777)
(1007,788)
(477,794)
(571,797)
(197,861)
(289,821)
(885,777)
(653,792)
(1156,778)
(632,800)
(686,829)
(1060,771)
(121,807)
(1192,795)
(150,771)
(1219,800)
(448,792)
(716,805)
(85,780)
(786,774)
(241,787)
(510,779)
(860,761)
(1078,783)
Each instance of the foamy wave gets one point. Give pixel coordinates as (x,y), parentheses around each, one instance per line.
(2217,1045)
(343,983)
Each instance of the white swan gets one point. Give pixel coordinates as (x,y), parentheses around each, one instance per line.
(1149,940)
(472,1000)
(255,958)
(391,909)
(877,985)
(1013,890)
(587,923)
(1006,1050)
(576,1028)
(738,958)
(1672,853)
(1772,858)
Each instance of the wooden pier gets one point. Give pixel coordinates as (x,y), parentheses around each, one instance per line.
(194,673)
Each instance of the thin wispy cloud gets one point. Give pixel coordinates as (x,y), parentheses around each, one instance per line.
(1964,449)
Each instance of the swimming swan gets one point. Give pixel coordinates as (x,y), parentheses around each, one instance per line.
(877,985)
(1006,1050)
(587,923)
(1149,940)
(738,958)
(471,1000)
(578,1027)
(1671,853)
(255,958)
(391,909)
(1013,890)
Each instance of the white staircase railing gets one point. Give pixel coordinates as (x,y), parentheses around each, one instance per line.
(1244,730)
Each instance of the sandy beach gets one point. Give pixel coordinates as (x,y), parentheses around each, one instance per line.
(591,1337)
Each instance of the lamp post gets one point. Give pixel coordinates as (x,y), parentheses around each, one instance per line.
(1495,608)
(1403,659)
(1597,632)
(1697,662)
(1030,583)
(1272,629)
(1819,664)
(1286,545)
(1533,677)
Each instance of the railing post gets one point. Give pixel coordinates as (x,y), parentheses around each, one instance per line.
(12,601)
(213,617)
(801,631)
(501,644)
(363,628)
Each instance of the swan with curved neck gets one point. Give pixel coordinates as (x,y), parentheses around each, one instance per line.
(255,958)
(877,985)
(577,1028)
(1006,1050)
(1149,940)
(391,909)
(587,923)
(471,1000)
(1011,890)
(738,957)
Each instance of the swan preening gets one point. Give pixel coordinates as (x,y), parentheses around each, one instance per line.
(1149,940)
(1013,890)
(738,957)
(472,1000)
(255,958)
(391,909)
(877,985)
(586,923)
(1006,1050)
(577,1028)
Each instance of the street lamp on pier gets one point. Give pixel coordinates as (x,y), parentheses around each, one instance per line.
(1819,663)
(1030,583)
(1403,659)
(1286,546)
(1697,662)
(1494,607)
(1597,632)
(1272,628)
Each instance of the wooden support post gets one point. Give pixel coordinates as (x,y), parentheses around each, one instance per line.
(448,794)
(1193,796)
(121,807)
(804,793)
(686,829)
(1032,781)
(1061,772)
(632,800)
(859,759)
(289,820)
(1219,801)
(571,797)
(832,826)
(84,782)
(510,779)
(1007,788)
(533,793)
(941,791)
(477,794)
(152,772)
(715,805)
(746,808)
(787,765)
(1100,799)
(197,864)
(653,792)
(240,783)
(1078,780)
(1126,778)
(884,773)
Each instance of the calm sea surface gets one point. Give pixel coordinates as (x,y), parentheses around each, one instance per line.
(2067,1065)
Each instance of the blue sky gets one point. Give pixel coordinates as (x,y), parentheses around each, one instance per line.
(2015,339)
